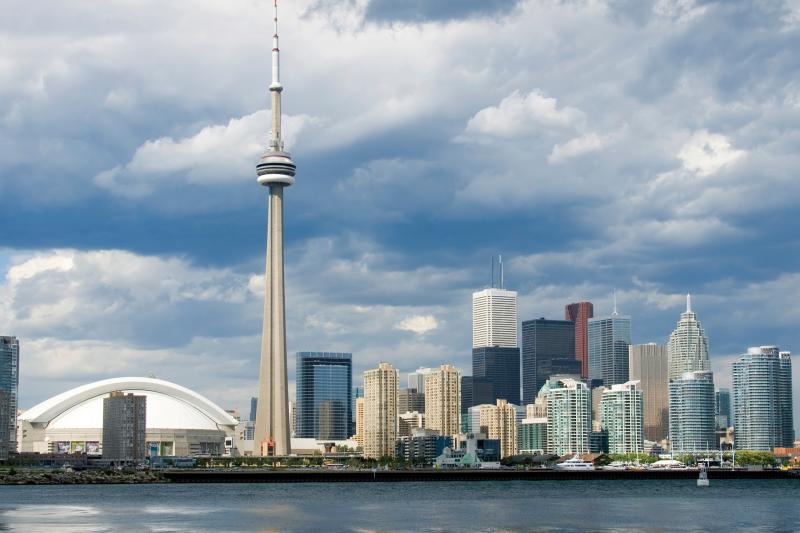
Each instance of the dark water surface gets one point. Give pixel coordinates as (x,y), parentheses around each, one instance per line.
(663,505)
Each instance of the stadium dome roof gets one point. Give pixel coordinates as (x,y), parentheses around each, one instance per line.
(169,406)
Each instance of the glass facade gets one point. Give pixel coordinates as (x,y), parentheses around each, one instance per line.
(609,339)
(548,348)
(9,386)
(722,408)
(691,412)
(324,395)
(762,399)
(495,375)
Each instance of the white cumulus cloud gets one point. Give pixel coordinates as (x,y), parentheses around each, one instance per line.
(519,114)
(591,142)
(706,153)
(418,324)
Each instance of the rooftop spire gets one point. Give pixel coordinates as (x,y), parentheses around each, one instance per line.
(688,303)
(614,313)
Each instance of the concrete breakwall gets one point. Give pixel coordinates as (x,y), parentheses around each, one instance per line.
(329,476)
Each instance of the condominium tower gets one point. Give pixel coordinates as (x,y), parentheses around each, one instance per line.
(609,338)
(9,387)
(443,401)
(580,313)
(649,365)
(500,420)
(124,427)
(622,417)
(548,348)
(568,416)
(324,395)
(691,412)
(688,345)
(762,399)
(380,411)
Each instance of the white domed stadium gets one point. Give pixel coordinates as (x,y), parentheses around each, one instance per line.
(179,421)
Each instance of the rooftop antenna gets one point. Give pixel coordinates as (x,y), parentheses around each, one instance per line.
(502,280)
(614,313)
(492,280)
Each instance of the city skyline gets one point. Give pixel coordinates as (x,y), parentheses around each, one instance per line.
(146,254)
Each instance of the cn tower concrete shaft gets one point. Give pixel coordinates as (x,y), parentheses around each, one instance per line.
(272,412)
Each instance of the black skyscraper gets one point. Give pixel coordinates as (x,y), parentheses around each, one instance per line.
(495,375)
(548,348)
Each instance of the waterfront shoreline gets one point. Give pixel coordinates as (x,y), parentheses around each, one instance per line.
(95,477)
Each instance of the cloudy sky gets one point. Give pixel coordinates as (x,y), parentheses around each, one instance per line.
(651,146)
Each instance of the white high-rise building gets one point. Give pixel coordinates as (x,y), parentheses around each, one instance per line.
(569,413)
(494,318)
(762,399)
(688,346)
(691,412)
(622,416)
(380,411)
(443,400)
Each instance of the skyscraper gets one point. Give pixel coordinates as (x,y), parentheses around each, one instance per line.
(124,427)
(494,318)
(466,393)
(762,399)
(359,433)
(9,387)
(416,379)
(253,407)
(495,352)
(548,348)
(324,394)
(495,375)
(691,412)
(501,423)
(722,409)
(443,401)
(380,411)
(622,417)
(580,313)
(568,416)
(275,170)
(649,365)
(688,345)
(410,400)
(609,338)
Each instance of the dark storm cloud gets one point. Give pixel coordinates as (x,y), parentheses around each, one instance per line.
(424,10)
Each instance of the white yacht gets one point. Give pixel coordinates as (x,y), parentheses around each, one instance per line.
(576,463)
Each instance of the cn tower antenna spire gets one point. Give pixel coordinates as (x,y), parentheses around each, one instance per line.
(275,142)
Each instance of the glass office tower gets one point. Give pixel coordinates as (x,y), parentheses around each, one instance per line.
(548,349)
(495,375)
(324,395)
(9,386)
(609,339)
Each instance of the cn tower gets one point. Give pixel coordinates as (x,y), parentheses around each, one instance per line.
(276,171)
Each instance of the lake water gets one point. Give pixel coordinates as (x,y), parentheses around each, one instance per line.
(466,506)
